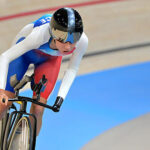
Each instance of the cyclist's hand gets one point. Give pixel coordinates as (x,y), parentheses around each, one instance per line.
(3,99)
(56,108)
(58,103)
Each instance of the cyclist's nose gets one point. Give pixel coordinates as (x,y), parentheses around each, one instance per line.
(68,46)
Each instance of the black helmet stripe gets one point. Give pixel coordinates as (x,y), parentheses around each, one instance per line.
(71,20)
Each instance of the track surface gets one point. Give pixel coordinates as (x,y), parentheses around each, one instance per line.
(111,95)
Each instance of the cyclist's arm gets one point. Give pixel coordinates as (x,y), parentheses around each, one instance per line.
(73,66)
(36,38)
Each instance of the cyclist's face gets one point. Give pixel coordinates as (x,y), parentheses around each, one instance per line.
(64,48)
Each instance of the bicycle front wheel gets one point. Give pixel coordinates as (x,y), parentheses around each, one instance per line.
(21,138)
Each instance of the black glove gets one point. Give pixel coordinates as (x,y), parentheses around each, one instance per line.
(58,103)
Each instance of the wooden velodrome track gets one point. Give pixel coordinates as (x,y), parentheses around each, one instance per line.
(118,33)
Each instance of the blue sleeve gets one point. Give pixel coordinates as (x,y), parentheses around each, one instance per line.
(43,20)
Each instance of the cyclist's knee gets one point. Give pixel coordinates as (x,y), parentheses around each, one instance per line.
(4,104)
(8,93)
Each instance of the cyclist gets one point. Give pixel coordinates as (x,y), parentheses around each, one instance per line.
(43,43)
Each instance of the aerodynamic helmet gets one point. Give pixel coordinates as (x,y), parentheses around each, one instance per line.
(66,25)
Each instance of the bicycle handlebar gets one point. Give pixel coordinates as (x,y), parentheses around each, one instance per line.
(37,88)
(22,98)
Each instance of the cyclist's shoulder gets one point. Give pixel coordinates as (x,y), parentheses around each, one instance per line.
(42,20)
(83,40)
(81,45)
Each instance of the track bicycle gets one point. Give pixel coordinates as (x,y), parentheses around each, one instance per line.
(16,130)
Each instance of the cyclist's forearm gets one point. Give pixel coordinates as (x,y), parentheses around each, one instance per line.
(67,82)
(5,59)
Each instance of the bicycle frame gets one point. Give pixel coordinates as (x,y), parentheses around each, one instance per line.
(13,117)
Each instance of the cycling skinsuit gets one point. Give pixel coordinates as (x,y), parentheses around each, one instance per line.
(46,61)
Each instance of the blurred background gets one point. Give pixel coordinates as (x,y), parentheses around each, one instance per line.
(108,105)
